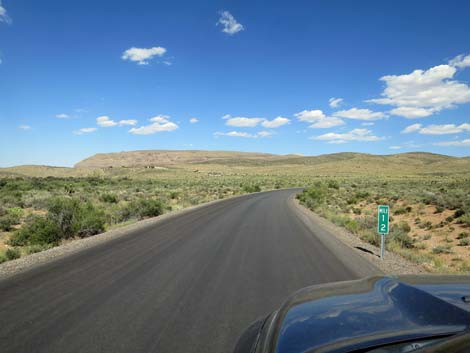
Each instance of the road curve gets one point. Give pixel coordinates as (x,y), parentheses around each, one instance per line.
(190,283)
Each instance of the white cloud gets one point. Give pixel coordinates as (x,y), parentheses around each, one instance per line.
(463,143)
(359,114)
(318,119)
(460,61)
(411,128)
(105,121)
(242,121)
(229,23)
(264,134)
(368,124)
(445,129)
(395,147)
(244,134)
(335,102)
(353,135)
(158,124)
(412,112)
(430,90)
(275,123)
(62,116)
(24,127)
(85,130)
(142,55)
(3,15)
(130,122)
(194,120)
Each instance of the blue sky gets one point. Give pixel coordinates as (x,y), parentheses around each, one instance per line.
(309,77)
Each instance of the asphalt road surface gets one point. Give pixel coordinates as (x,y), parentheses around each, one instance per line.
(191,283)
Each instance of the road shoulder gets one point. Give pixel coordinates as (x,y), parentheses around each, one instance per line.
(366,260)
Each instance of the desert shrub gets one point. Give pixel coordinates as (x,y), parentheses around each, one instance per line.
(12,254)
(142,208)
(15,212)
(3,258)
(463,235)
(399,234)
(314,196)
(38,231)
(447,249)
(427,237)
(352,225)
(251,188)
(357,211)
(465,220)
(404,226)
(174,195)
(464,242)
(371,237)
(64,211)
(333,184)
(399,211)
(109,198)
(90,221)
(459,213)
(7,222)
(439,209)
(32,249)
(449,219)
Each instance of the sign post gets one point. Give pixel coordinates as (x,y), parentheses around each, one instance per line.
(382,226)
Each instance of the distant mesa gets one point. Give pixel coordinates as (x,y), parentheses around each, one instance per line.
(164,158)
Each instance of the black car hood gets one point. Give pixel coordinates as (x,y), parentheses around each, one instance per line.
(346,316)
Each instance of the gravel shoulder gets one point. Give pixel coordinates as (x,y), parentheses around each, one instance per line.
(392,264)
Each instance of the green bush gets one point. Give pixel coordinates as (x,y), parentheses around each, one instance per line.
(16,212)
(32,249)
(64,211)
(459,213)
(399,234)
(399,211)
(109,198)
(38,231)
(352,225)
(463,235)
(442,249)
(7,222)
(142,208)
(251,188)
(464,242)
(465,220)
(12,254)
(314,196)
(371,237)
(333,184)
(90,221)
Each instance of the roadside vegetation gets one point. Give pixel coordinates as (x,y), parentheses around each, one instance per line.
(429,217)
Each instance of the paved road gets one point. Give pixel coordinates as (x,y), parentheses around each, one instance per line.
(188,284)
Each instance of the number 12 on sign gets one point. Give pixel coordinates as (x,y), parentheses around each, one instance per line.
(382,226)
(383,216)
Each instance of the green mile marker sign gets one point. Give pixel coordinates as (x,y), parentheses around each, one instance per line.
(383,216)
